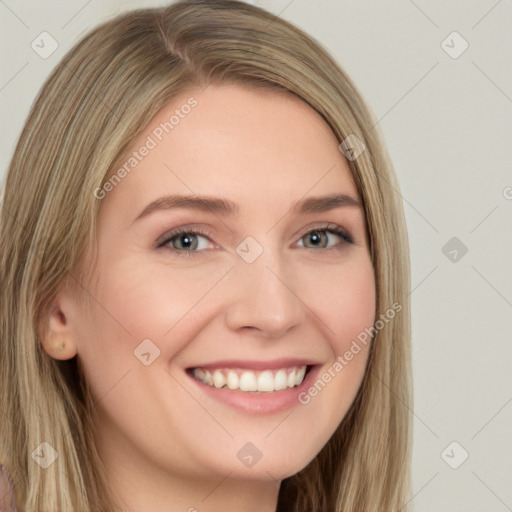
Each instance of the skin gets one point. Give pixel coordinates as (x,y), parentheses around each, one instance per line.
(166,445)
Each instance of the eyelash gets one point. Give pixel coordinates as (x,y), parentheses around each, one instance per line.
(329,228)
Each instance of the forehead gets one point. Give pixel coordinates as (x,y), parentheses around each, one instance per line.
(254,146)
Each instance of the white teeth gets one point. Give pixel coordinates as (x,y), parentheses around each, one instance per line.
(266,381)
(232,380)
(291,379)
(245,380)
(248,382)
(280,380)
(300,375)
(218,379)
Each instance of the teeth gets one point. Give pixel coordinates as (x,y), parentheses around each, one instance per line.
(219,380)
(291,378)
(245,380)
(265,381)
(280,380)
(233,380)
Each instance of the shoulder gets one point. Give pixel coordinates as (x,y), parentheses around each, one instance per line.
(7,496)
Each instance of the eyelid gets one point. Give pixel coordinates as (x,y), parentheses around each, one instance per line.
(190,229)
(330,227)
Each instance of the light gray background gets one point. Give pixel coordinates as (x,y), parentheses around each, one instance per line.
(447,122)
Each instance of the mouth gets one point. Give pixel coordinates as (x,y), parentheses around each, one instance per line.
(251,381)
(255,387)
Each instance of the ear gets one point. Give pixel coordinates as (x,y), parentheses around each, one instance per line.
(57,337)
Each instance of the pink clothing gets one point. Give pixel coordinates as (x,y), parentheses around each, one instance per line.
(7,496)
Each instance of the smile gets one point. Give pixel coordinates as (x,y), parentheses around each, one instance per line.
(245,380)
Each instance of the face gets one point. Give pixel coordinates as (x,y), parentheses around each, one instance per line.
(248,290)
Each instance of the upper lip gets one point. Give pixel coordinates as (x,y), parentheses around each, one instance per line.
(247,364)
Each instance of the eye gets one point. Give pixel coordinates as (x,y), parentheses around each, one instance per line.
(319,238)
(186,241)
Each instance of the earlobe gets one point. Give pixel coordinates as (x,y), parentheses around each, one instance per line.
(58,348)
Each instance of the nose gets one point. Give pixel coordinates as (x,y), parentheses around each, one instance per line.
(263,297)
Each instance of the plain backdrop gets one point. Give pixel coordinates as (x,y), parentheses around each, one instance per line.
(444,103)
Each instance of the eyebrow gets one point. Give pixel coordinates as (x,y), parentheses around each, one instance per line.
(225,207)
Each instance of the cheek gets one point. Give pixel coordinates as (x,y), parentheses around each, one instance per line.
(347,305)
(135,302)
(347,310)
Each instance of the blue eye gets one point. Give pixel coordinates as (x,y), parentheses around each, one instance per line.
(319,236)
(187,242)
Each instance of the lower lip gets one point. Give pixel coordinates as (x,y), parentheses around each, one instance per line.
(259,403)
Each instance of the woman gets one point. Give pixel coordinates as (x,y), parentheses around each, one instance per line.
(205,277)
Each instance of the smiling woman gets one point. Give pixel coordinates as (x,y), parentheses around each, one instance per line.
(161,328)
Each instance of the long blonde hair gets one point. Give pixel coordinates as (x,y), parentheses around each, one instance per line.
(98,99)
